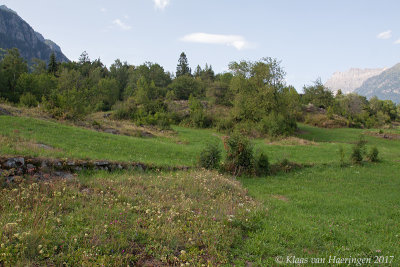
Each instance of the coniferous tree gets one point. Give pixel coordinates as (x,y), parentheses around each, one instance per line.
(183,66)
(53,66)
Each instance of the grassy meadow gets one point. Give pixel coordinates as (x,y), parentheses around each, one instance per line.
(198,217)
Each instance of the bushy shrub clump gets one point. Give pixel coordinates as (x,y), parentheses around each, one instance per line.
(239,158)
(373,154)
(358,151)
(210,157)
(28,100)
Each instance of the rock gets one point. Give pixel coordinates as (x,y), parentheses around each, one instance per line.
(64,175)
(101,163)
(147,134)
(44,165)
(4,112)
(47,147)
(15,162)
(111,131)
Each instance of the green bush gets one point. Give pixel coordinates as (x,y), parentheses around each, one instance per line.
(124,110)
(373,154)
(28,100)
(358,151)
(239,158)
(262,165)
(210,157)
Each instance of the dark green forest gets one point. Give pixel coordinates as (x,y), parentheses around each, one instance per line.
(252,97)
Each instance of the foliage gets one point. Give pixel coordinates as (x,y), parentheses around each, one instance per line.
(318,95)
(358,151)
(183,66)
(239,155)
(184,86)
(197,115)
(53,65)
(252,96)
(210,157)
(28,100)
(12,66)
(373,155)
(260,95)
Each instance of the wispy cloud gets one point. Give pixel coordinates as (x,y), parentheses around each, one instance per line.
(385,35)
(397,41)
(121,25)
(103,10)
(237,41)
(161,4)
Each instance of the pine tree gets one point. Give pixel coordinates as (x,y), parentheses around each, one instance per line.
(183,66)
(53,66)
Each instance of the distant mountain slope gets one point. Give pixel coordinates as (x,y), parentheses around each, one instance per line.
(350,80)
(15,32)
(385,85)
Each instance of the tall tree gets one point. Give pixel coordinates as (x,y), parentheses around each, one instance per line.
(11,67)
(53,66)
(183,66)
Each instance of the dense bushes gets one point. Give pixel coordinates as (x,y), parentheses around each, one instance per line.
(252,97)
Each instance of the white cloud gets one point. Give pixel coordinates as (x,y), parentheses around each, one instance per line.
(397,41)
(161,4)
(103,10)
(237,41)
(385,35)
(122,25)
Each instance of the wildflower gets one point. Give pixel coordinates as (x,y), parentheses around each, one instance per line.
(41,251)
(40,246)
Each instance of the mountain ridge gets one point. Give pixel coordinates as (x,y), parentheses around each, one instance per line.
(16,32)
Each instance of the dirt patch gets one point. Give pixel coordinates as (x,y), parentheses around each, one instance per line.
(292,141)
(280,197)
(388,136)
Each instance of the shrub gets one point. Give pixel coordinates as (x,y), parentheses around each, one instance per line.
(373,154)
(239,158)
(358,151)
(28,100)
(262,165)
(124,110)
(356,156)
(210,157)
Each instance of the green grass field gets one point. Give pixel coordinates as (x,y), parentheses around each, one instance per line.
(315,212)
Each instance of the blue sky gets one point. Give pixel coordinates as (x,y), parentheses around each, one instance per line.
(312,38)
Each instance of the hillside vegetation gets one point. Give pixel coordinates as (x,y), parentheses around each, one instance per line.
(197,217)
